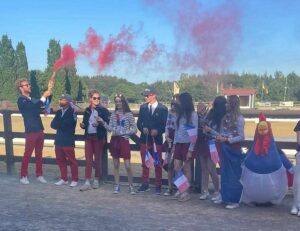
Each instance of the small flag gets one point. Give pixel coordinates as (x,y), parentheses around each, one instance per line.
(181,181)
(148,159)
(214,155)
(155,154)
(192,132)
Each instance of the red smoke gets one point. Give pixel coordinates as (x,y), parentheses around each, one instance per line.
(67,58)
(92,43)
(121,44)
(152,51)
(205,39)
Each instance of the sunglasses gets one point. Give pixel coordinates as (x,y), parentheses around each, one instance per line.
(147,96)
(96,98)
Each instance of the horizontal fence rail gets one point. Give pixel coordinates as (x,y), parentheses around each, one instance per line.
(10,158)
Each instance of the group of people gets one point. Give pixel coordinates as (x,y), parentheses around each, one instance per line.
(213,135)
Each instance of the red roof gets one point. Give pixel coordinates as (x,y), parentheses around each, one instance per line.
(238,91)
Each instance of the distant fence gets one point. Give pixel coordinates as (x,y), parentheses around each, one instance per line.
(10,158)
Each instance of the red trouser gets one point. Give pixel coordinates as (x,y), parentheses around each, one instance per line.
(93,148)
(33,141)
(158,169)
(62,155)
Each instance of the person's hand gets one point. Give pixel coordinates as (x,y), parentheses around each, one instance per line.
(50,84)
(145,131)
(169,140)
(95,124)
(221,139)
(99,120)
(154,132)
(46,93)
(82,125)
(206,128)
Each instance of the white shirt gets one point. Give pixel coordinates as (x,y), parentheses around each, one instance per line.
(154,106)
(92,119)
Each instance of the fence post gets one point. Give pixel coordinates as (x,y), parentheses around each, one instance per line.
(8,136)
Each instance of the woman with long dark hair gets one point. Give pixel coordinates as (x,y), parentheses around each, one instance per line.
(208,167)
(122,126)
(184,142)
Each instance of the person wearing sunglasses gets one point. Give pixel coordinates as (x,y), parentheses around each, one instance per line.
(95,138)
(30,109)
(151,123)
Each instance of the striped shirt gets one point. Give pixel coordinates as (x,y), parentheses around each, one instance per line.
(121,124)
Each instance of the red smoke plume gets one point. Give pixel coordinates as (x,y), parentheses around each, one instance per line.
(152,51)
(67,58)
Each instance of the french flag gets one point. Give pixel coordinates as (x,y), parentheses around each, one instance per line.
(214,155)
(192,132)
(181,181)
(149,162)
(155,154)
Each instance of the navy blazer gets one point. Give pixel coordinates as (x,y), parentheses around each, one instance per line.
(30,110)
(65,128)
(155,121)
(103,113)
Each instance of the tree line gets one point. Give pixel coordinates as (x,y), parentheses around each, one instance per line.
(203,87)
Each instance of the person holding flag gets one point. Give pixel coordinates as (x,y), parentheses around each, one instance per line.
(207,143)
(185,137)
(64,123)
(122,126)
(95,138)
(151,123)
(169,135)
(30,109)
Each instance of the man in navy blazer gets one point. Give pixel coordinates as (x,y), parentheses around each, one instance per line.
(151,123)
(64,123)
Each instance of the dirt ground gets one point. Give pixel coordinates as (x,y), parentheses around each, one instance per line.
(48,207)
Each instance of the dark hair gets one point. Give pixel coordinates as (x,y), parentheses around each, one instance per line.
(124,103)
(217,112)
(185,107)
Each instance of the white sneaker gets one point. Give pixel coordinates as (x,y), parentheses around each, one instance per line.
(298,213)
(86,186)
(294,210)
(61,182)
(117,189)
(131,190)
(73,184)
(216,196)
(232,206)
(41,179)
(204,195)
(24,180)
(95,184)
(176,196)
(218,201)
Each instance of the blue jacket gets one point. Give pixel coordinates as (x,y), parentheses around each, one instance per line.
(30,110)
(65,128)
(103,113)
(155,121)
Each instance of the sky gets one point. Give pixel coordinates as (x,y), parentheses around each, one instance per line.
(194,36)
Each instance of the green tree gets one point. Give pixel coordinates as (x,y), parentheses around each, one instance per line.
(21,61)
(7,70)
(35,90)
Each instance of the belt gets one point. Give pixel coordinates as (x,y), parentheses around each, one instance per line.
(92,134)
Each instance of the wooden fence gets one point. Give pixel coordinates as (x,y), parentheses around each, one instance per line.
(9,158)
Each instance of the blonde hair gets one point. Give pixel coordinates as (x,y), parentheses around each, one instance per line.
(92,92)
(19,82)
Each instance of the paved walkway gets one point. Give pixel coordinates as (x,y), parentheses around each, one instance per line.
(49,207)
